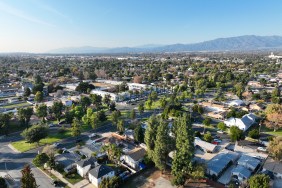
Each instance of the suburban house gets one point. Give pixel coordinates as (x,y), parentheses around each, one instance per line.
(237,102)
(244,123)
(241,173)
(275,167)
(206,146)
(134,157)
(67,160)
(98,173)
(249,162)
(219,163)
(84,166)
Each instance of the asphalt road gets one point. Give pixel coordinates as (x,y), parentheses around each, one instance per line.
(11,163)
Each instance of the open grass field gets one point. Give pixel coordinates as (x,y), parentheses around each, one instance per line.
(17,105)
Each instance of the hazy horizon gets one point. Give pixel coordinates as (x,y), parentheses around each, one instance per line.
(40,26)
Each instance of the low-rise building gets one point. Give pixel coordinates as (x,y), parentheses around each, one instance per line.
(241,173)
(96,175)
(243,123)
(134,157)
(249,162)
(274,167)
(218,164)
(84,166)
(207,147)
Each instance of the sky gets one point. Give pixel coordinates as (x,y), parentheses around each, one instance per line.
(43,25)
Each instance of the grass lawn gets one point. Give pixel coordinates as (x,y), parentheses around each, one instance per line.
(23,146)
(17,105)
(156,104)
(271,132)
(276,133)
(74,178)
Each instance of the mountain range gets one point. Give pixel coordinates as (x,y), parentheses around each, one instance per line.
(240,43)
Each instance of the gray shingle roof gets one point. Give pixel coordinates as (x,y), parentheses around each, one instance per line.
(241,171)
(100,171)
(137,154)
(248,162)
(220,161)
(86,162)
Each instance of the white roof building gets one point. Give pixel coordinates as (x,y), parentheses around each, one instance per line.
(132,86)
(237,103)
(114,97)
(244,123)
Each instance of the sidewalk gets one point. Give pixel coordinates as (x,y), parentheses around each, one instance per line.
(60,177)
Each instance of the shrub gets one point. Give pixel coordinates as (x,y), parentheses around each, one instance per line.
(3,183)
(40,159)
(254,134)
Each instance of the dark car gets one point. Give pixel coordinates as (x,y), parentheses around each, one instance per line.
(78,140)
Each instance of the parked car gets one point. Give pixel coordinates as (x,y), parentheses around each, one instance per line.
(52,125)
(261,149)
(92,135)
(217,140)
(56,144)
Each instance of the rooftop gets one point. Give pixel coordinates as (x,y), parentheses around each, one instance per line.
(100,171)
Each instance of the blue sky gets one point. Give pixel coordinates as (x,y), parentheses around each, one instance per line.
(42,25)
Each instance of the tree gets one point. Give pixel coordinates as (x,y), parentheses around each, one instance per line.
(112,106)
(274,116)
(38,96)
(57,109)
(200,110)
(83,87)
(198,172)
(28,180)
(120,126)
(85,102)
(113,152)
(107,99)
(141,108)
(75,128)
(182,160)
(24,115)
(115,117)
(162,148)
(275,148)
(139,134)
(150,135)
(275,96)
(86,119)
(208,137)
(40,159)
(132,114)
(4,123)
(207,121)
(149,103)
(221,126)
(41,111)
(236,134)
(96,100)
(137,79)
(105,183)
(37,87)
(154,95)
(49,150)
(101,116)
(35,133)
(259,180)
(254,134)
(27,92)
(3,183)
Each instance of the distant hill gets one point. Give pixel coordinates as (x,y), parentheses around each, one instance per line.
(240,43)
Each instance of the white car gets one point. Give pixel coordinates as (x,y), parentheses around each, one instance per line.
(262,149)
(92,135)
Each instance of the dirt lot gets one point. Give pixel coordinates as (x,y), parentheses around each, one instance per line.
(152,178)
